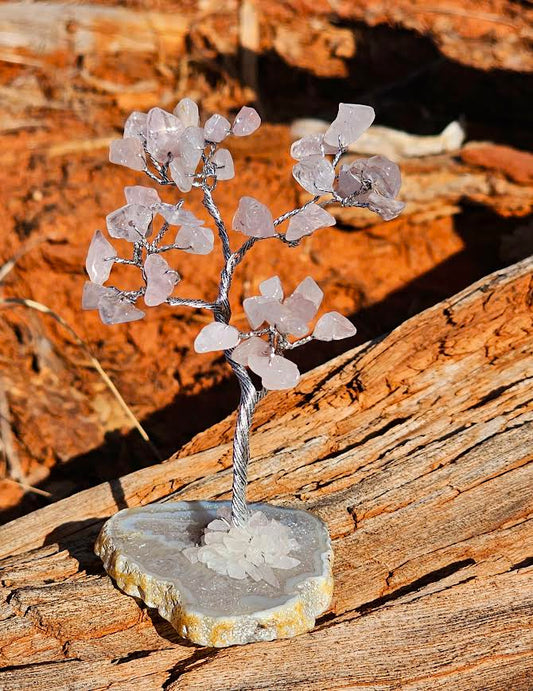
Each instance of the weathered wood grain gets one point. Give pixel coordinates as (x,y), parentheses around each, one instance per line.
(416,449)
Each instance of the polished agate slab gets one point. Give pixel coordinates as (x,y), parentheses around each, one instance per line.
(142,549)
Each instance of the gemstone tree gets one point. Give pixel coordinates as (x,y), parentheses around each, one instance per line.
(276,555)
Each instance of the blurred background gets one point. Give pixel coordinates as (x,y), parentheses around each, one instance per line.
(70,73)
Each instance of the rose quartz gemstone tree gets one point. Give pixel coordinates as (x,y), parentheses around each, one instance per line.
(176,150)
(226,574)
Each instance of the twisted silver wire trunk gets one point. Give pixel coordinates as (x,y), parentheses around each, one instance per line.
(241,443)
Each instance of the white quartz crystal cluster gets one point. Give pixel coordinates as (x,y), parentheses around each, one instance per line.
(373,183)
(254,550)
(285,318)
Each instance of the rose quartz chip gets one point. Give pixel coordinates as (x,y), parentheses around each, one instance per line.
(163,131)
(128,153)
(246,121)
(251,346)
(349,182)
(190,147)
(100,258)
(258,309)
(254,219)
(289,320)
(175,215)
(224,163)
(92,292)
(300,307)
(385,175)
(306,221)
(216,128)
(352,120)
(135,125)
(310,290)
(271,288)
(315,174)
(114,309)
(332,326)
(276,372)
(216,336)
(160,280)
(195,239)
(387,208)
(180,176)
(312,144)
(187,112)
(145,196)
(131,222)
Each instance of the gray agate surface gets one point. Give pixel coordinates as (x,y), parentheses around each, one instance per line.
(142,548)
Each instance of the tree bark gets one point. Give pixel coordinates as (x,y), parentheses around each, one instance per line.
(416,450)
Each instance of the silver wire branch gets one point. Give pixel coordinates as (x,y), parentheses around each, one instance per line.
(296,344)
(121,260)
(197,304)
(166,248)
(290,214)
(208,171)
(160,234)
(162,169)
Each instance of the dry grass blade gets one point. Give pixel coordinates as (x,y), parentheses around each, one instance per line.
(32,304)
(29,488)
(10,264)
(13,465)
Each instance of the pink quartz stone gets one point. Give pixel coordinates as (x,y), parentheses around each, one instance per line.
(163,131)
(251,346)
(349,182)
(175,215)
(180,176)
(310,290)
(160,280)
(315,174)
(271,288)
(135,125)
(116,310)
(246,121)
(302,308)
(387,208)
(187,112)
(131,222)
(332,326)
(288,321)
(352,120)
(128,153)
(190,148)
(145,196)
(195,239)
(306,221)
(92,292)
(253,218)
(224,163)
(216,336)
(100,258)
(312,144)
(385,174)
(259,309)
(276,372)
(216,128)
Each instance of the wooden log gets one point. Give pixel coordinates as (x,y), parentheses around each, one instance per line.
(416,449)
